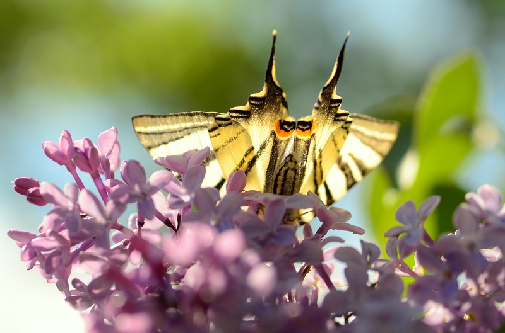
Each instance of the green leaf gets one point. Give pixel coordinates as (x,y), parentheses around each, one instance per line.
(438,160)
(382,205)
(445,116)
(449,100)
(441,219)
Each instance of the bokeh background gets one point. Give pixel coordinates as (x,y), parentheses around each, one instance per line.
(86,66)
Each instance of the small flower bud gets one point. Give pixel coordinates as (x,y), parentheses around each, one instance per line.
(35,197)
(23,184)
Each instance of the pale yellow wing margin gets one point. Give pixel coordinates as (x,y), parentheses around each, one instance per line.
(368,142)
(174,134)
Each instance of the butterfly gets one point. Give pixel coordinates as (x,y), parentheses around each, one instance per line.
(326,152)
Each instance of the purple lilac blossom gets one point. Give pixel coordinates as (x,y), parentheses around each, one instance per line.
(192,260)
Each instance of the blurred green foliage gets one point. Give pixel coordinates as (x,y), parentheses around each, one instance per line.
(99,47)
(444,119)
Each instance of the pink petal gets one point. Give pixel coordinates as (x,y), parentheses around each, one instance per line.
(45,243)
(329,253)
(79,285)
(285,235)
(193,178)
(229,206)
(159,179)
(146,208)
(54,195)
(123,173)
(316,199)
(236,182)
(307,230)
(475,200)
(274,212)
(395,231)
(491,196)
(342,214)
(357,277)
(52,150)
(110,184)
(332,239)
(309,251)
(370,251)
(427,207)
(52,220)
(71,191)
(229,244)
(90,205)
(466,220)
(107,140)
(253,226)
(81,161)
(121,193)
(176,163)
(261,279)
(113,157)
(100,286)
(53,261)
(21,236)
(136,174)
(79,302)
(23,184)
(204,202)
(114,209)
(73,223)
(299,201)
(134,322)
(33,196)
(66,144)
(429,259)
(175,188)
(198,157)
(349,255)
(448,244)
(347,227)
(406,213)
(94,158)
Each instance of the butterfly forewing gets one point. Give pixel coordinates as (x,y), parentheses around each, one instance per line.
(173,134)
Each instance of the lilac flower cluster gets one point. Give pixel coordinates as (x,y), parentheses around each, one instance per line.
(191,259)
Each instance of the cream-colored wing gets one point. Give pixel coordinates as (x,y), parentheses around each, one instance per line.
(175,134)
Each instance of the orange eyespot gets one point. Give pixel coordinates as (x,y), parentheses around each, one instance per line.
(304,128)
(284,128)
